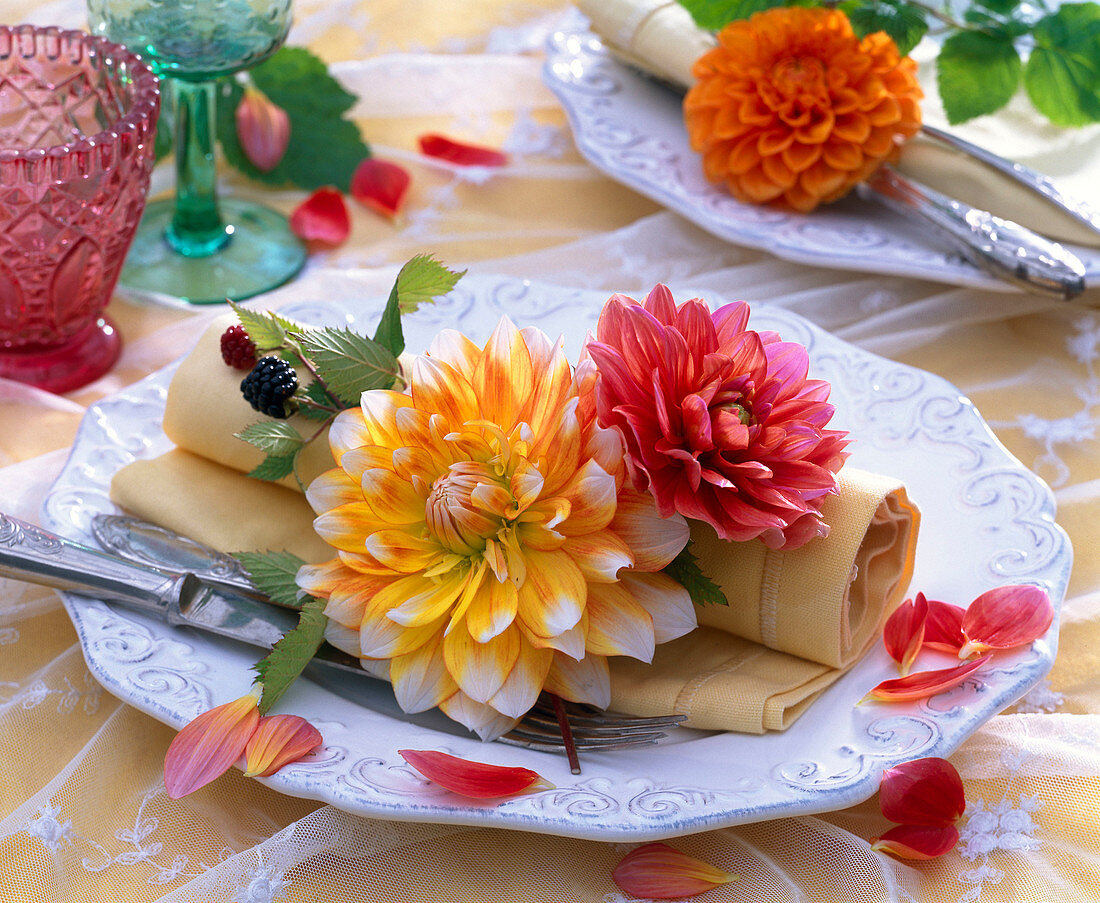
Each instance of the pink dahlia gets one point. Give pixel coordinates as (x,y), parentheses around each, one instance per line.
(720,422)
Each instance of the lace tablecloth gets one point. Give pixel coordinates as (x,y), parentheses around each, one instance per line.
(83,814)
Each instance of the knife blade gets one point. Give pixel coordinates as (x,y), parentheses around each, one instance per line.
(35,555)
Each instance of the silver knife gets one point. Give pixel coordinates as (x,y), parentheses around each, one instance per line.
(35,555)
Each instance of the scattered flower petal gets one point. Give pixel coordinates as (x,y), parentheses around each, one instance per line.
(208,746)
(916,842)
(460,153)
(922,684)
(657,871)
(322,219)
(477,780)
(263,129)
(924,791)
(277,741)
(1005,618)
(903,634)
(380,185)
(943,629)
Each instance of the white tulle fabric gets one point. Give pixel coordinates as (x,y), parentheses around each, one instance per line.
(83,814)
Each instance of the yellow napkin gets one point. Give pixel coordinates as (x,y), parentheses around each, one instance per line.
(818,607)
(659,37)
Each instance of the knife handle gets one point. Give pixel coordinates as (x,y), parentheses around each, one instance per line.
(35,555)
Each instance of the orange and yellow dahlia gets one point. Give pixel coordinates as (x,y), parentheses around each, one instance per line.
(488,543)
(792,108)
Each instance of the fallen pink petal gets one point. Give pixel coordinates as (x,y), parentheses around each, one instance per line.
(1006,618)
(380,185)
(322,219)
(917,842)
(208,746)
(924,791)
(922,684)
(477,780)
(943,628)
(903,634)
(657,871)
(263,129)
(277,741)
(459,152)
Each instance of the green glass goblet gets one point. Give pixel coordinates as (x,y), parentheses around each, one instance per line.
(197,246)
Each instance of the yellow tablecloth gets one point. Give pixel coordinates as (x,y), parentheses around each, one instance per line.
(83,815)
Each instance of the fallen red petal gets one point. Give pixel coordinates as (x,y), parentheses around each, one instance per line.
(380,185)
(477,780)
(922,684)
(1005,618)
(657,871)
(924,791)
(943,629)
(917,841)
(208,746)
(903,634)
(460,153)
(277,741)
(322,219)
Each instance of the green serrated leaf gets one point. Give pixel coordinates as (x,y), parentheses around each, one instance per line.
(267,330)
(420,280)
(1062,76)
(273,574)
(685,570)
(349,364)
(324,149)
(315,392)
(904,23)
(274,467)
(289,657)
(276,437)
(1001,7)
(977,73)
(714,14)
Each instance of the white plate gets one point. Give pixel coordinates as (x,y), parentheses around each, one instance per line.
(632,129)
(987,521)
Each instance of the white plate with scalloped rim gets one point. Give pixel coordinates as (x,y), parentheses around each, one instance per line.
(631,128)
(987,521)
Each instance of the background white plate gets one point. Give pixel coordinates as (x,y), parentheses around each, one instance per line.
(986,521)
(632,129)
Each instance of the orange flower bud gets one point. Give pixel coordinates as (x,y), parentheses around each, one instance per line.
(277,741)
(1005,618)
(477,780)
(657,871)
(263,129)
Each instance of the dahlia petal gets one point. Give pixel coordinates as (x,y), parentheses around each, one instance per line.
(483,720)
(600,555)
(569,642)
(587,680)
(696,424)
(903,633)
(459,152)
(348,526)
(332,489)
(476,780)
(553,596)
(923,684)
(405,551)
(503,377)
(657,871)
(206,747)
(480,669)
(415,601)
(1005,618)
(917,842)
(344,638)
(380,185)
(438,387)
(375,421)
(617,624)
(346,431)
(420,678)
(521,688)
(493,610)
(322,219)
(943,628)
(592,496)
(669,605)
(924,791)
(456,349)
(277,741)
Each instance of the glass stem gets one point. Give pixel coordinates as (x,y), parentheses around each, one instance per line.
(197,229)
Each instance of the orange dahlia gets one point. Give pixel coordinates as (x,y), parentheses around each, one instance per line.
(792,108)
(488,544)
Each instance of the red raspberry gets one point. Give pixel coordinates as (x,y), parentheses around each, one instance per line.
(238,350)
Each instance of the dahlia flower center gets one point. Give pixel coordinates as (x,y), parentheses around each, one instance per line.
(738,410)
(796,76)
(466,506)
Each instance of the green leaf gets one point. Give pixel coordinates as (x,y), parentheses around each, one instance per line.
(1062,77)
(685,570)
(1001,7)
(289,657)
(714,14)
(316,392)
(276,437)
(267,330)
(350,364)
(324,146)
(904,23)
(274,467)
(977,73)
(421,279)
(273,574)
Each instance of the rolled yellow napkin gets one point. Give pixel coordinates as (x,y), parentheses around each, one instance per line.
(659,37)
(818,607)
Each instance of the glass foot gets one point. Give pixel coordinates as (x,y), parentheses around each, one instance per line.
(62,368)
(261,254)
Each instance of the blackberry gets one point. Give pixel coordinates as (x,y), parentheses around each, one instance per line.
(269,387)
(238,350)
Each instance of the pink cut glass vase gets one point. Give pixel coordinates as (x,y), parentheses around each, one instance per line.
(77,123)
